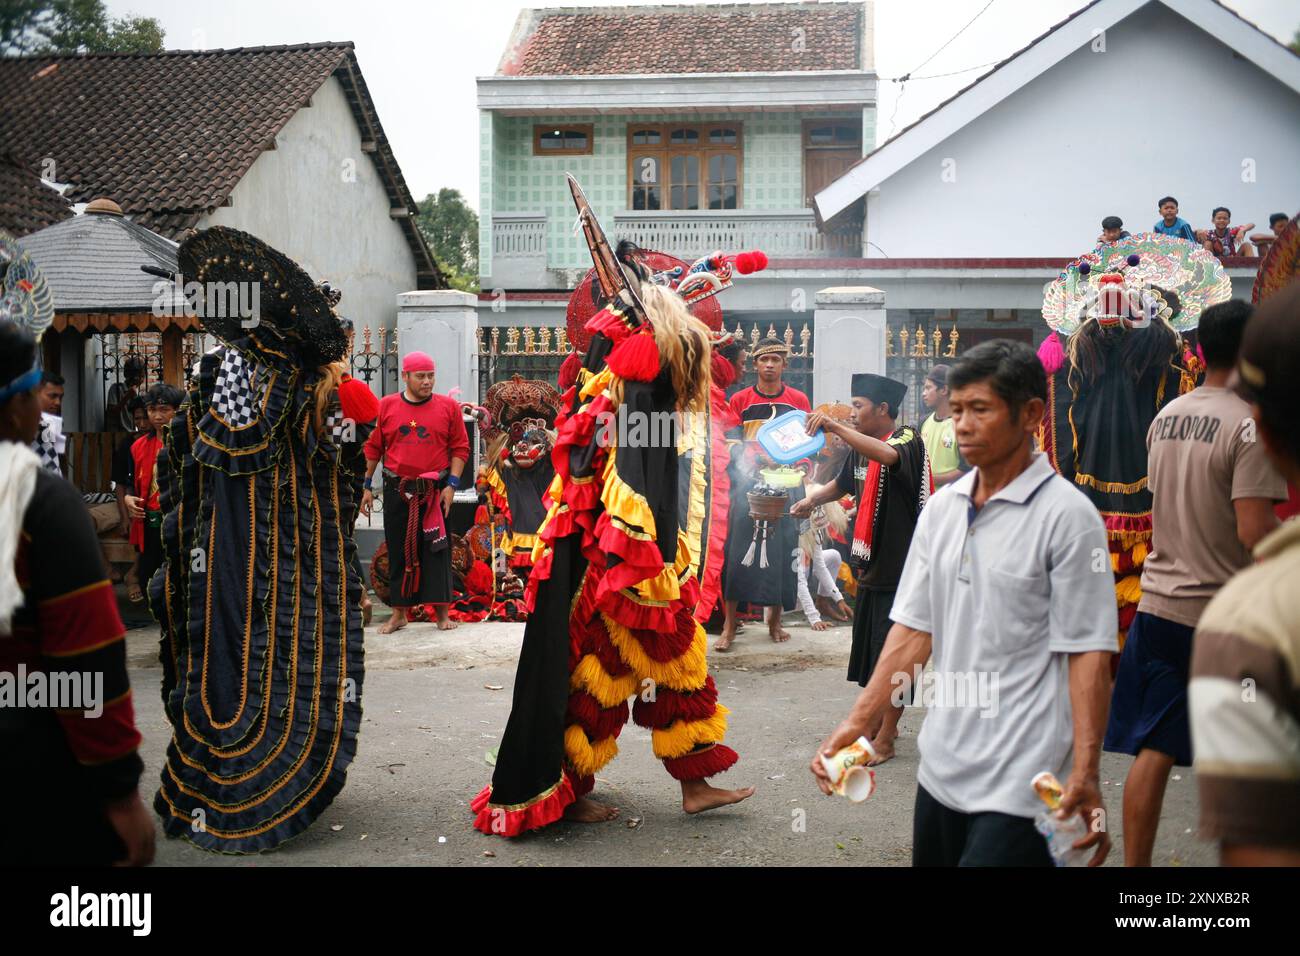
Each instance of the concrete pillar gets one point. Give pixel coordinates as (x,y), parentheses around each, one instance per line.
(443,323)
(848,337)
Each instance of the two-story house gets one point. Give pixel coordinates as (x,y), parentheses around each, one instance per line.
(692,129)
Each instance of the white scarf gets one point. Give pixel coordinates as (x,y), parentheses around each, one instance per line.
(18,467)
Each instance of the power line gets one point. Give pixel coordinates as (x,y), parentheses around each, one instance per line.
(902,80)
(953,37)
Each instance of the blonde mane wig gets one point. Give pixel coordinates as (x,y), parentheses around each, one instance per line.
(684,346)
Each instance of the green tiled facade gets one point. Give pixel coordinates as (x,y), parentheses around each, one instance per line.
(514,180)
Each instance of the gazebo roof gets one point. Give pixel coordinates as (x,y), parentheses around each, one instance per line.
(92,261)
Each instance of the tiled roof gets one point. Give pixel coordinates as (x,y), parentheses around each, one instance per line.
(169,135)
(92,262)
(26,203)
(730,38)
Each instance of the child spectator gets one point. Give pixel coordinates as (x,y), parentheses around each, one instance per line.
(1276,223)
(1223,239)
(1112,230)
(1169,224)
(161,402)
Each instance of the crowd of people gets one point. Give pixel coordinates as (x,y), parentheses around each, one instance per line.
(1221,237)
(1094,526)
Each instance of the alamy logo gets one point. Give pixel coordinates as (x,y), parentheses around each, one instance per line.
(75,908)
(57,690)
(209,300)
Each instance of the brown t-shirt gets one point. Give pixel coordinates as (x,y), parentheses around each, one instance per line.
(1204,453)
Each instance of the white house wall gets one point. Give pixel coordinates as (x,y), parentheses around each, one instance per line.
(319,199)
(1166,109)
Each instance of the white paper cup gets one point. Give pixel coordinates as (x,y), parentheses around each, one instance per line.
(848,771)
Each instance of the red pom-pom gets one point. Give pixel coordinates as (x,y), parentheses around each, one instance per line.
(358,401)
(745,263)
(636,358)
(478,580)
(760,260)
(569,371)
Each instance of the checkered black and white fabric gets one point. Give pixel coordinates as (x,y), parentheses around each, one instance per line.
(238,391)
(49,442)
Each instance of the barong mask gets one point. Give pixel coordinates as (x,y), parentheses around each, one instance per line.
(278,304)
(1136,281)
(522,413)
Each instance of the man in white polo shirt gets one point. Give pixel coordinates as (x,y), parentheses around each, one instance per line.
(1008,582)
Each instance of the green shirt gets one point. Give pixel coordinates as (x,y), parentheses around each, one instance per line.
(941,444)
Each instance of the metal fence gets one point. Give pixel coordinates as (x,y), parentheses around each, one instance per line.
(911,361)
(799,366)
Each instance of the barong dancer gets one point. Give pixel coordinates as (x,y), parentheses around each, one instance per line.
(421,440)
(1129,313)
(612,575)
(258,597)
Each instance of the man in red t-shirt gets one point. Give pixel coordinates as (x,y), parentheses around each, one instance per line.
(421,440)
(775,586)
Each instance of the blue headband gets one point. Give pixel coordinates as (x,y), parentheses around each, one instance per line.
(23,383)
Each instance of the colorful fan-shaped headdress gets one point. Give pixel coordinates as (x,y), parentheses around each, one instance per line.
(1143,277)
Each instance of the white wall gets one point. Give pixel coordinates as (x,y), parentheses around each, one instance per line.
(318,199)
(1166,109)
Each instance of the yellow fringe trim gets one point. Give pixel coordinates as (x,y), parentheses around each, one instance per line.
(1129,540)
(608,691)
(686,673)
(585,757)
(680,737)
(1129,590)
(1140,552)
(515,541)
(1111,487)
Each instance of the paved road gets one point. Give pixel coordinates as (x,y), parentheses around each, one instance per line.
(429,722)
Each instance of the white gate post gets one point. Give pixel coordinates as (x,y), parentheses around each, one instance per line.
(848,337)
(443,323)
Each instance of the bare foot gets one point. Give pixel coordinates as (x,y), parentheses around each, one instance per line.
(698,796)
(445,623)
(723,644)
(884,753)
(586,810)
(821,625)
(780,634)
(394,623)
(846,614)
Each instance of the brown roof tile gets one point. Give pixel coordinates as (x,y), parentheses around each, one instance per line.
(26,203)
(169,135)
(731,38)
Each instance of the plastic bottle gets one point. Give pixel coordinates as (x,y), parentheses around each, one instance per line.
(1061,835)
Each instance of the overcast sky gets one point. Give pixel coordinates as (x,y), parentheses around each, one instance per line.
(420,58)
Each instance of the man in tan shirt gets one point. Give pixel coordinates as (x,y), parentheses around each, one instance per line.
(1213,491)
(1245,689)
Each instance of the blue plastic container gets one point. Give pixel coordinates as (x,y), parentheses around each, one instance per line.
(786,440)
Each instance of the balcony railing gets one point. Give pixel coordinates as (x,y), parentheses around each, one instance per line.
(782,235)
(524,253)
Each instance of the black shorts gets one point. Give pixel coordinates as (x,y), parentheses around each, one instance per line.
(871,626)
(1148,707)
(945,837)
